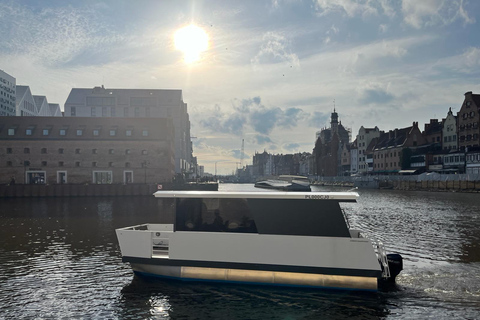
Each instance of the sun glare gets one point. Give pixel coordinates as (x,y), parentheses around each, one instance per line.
(192,41)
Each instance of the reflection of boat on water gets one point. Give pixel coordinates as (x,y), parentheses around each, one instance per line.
(285,183)
(277,238)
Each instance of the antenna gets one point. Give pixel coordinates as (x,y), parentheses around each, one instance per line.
(241,153)
(333,105)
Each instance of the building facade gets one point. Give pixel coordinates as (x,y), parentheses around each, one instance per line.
(7,94)
(468,122)
(55,150)
(100,102)
(364,137)
(449,132)
(388,149)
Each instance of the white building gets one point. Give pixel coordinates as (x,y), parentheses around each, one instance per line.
(25,103)
(55,110)
(364,137)
(137,103)
(7,94)
(354,160)
(449,134)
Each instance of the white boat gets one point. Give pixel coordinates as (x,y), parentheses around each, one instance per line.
(275,238)
(285,183)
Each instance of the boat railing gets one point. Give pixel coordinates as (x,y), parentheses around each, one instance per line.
(345,217)
(382,258)
(381,254)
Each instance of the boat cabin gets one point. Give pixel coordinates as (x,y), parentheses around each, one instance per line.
(279,213)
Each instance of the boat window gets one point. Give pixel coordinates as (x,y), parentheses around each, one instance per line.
(214,215)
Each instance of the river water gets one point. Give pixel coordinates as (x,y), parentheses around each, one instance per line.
(59,259)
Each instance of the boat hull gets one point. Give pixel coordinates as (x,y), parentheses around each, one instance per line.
(260,277)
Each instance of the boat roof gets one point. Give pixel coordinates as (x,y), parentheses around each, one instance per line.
(337,196)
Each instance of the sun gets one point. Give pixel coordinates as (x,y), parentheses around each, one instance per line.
(192,41)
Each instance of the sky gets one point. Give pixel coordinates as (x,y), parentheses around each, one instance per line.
(273,70)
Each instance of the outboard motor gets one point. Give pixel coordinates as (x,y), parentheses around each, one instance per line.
(395,264)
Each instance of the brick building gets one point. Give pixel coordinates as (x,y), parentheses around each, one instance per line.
(49,150)
(468,121)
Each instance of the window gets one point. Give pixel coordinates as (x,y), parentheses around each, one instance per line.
(77,151)
(63,132)
(28,132)
(9,150)
(77,163)
(128,133)
(79,132)
(60,151)
(94,164)
(73,111)
(45,132)
(125,112)
(104,111)
(144,152)
(137,112)
(145,133)
(9,163)
(110,164)
(113,133)
(94,111)
(60,163)
(44,150)
(102,177)
(26,150)
(112,111)
(111,151)
(94,151)
(44,163)
(127,151)
(96,132)
(127,164)
(11,132)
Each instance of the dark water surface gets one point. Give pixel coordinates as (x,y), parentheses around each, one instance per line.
(59,259)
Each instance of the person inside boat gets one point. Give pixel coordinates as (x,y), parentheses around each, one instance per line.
(218,221)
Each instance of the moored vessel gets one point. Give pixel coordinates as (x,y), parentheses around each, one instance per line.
(276,238)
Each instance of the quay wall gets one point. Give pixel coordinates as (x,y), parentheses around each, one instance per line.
(425,182)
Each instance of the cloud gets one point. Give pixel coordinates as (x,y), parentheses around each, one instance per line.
(318,119)
(275,48)
(292,146)
(261,139)
(419,14)
(237,154)
(349,7)
(264,120)
(374,93)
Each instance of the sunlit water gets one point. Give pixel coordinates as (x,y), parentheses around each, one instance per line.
(59,258)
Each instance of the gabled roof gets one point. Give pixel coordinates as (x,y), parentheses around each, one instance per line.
(476,99)
(393,138)
(54,109)
(39,101)
(20,92)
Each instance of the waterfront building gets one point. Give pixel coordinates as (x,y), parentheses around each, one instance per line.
(468,121)
(392,150)
(354,157)
(49,150)
(454,162)
(100,102)
(472,162)
(364,137)
(433,133)
(327,151)
(345,160)
(7,94)
(449,132)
